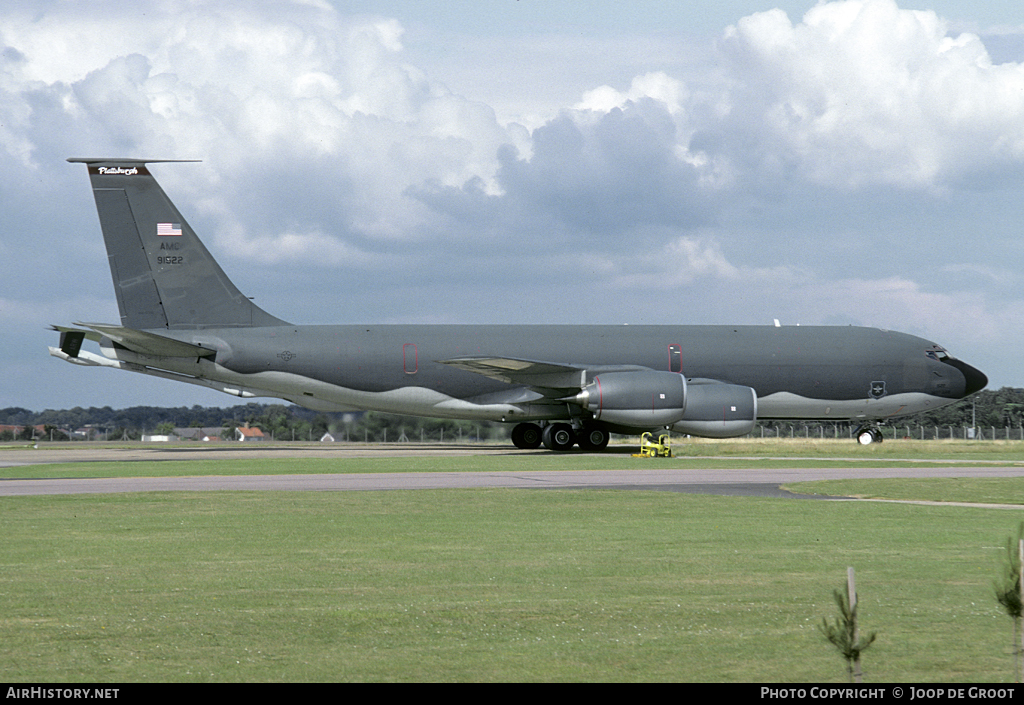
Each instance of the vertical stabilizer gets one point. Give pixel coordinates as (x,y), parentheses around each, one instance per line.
(164,276)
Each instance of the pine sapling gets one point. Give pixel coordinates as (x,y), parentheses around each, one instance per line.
(1008,589)
(843,633)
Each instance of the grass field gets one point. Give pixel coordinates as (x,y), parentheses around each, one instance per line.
(693,453)
(499,585)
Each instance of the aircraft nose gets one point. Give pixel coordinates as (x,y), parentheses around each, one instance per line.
(974,379)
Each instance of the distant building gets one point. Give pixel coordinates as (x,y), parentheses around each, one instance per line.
(159,438)
(17,431)
(247,434)
(207,433)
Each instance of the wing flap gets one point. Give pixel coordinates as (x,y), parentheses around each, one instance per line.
(529,373)
(548,378)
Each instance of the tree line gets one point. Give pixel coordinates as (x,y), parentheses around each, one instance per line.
(1001,408)
(280,422)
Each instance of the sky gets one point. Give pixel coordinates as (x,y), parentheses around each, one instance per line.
(524,161)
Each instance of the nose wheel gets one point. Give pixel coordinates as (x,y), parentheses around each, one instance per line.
(866,435)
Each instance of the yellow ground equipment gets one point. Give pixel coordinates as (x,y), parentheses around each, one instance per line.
(650,449)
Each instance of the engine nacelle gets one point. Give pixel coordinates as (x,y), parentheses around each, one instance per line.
(718,410)
(640,398)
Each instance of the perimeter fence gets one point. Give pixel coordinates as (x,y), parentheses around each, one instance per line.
(891,432)
(784,430)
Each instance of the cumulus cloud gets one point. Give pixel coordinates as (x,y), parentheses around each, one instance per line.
(355,143)
(607,172)
(658,86)
(862,92)
(284,87)
(857,96)
(727,187)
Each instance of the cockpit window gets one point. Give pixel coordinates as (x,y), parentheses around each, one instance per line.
(937,352)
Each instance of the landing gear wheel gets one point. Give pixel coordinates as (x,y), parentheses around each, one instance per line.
(526,436)
(867,436)
(593,438)
(558,436)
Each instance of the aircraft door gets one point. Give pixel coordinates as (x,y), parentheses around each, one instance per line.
(675,358)
(410,358)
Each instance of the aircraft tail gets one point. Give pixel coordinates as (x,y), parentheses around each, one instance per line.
(164,276)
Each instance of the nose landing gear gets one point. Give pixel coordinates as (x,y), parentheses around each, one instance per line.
(866,435)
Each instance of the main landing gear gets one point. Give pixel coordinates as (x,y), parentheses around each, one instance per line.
(866,435)
(526,436)
(560,437)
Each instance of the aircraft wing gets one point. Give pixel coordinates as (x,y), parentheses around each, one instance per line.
(135,340)
(534,373)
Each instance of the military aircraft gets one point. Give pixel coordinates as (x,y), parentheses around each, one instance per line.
(560,385)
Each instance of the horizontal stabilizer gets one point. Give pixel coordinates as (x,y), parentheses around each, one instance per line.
(135,340)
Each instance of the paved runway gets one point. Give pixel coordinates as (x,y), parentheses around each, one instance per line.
(645,474)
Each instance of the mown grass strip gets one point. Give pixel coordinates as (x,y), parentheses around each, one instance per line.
(976,490)
(695,455)
(490,585)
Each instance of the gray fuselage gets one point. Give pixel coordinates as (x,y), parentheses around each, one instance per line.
(796,371)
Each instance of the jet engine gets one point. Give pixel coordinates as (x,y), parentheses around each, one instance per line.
(718,410)
(649,399)
(636,398)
